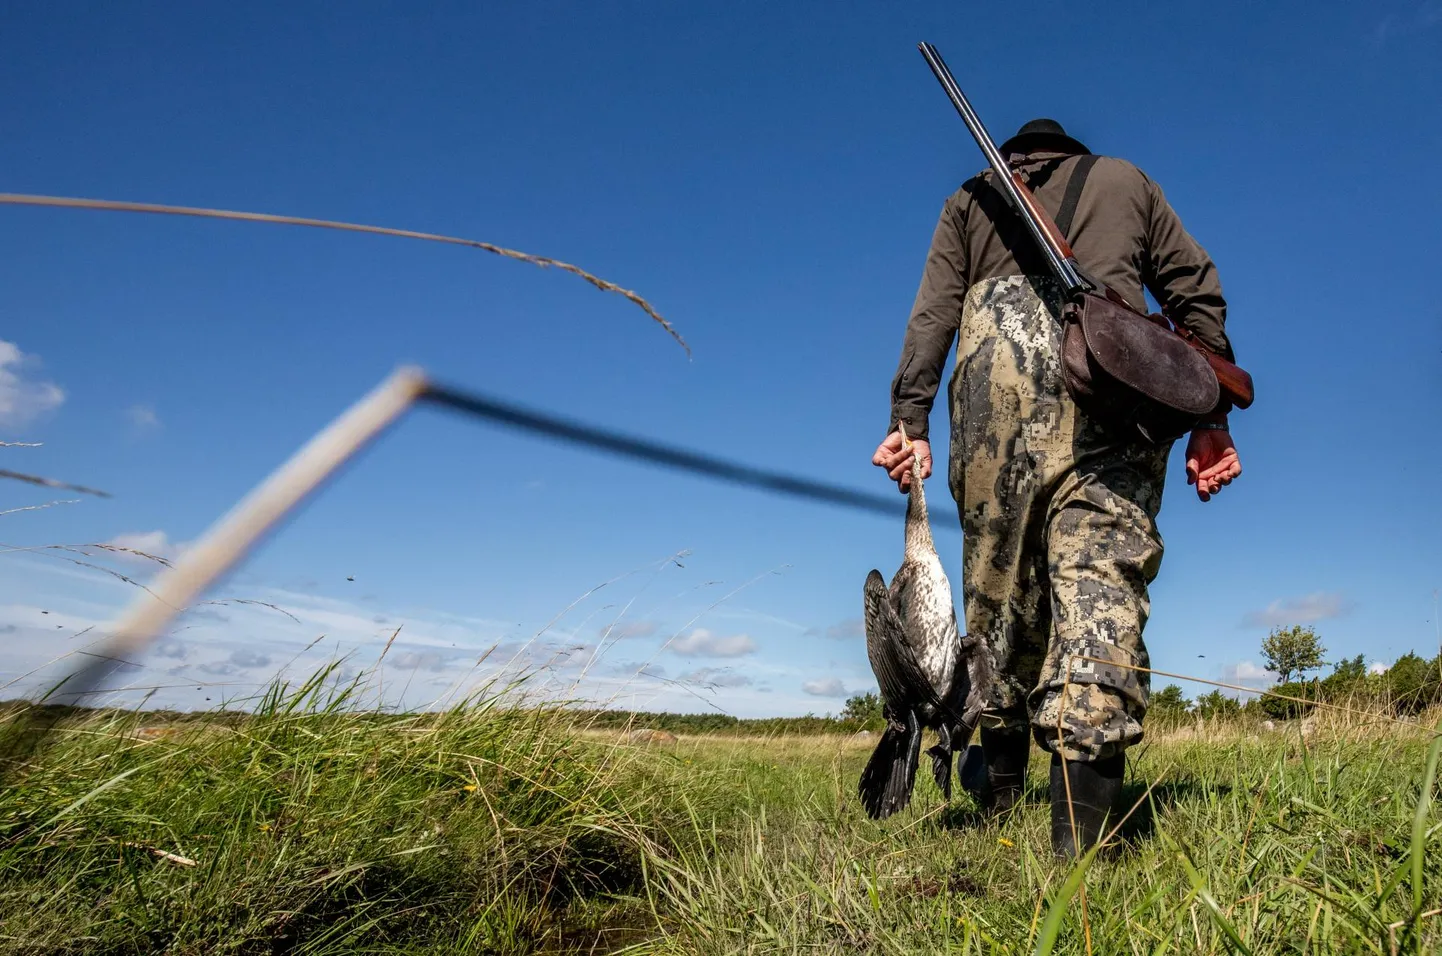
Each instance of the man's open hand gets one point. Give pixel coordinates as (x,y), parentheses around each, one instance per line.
(897,460)
(1212,461)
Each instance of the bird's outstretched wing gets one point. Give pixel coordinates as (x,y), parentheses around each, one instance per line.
(883,638)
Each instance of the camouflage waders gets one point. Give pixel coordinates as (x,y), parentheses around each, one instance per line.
(1059,518)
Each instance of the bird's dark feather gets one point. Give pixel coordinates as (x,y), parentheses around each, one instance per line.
(941,759)
(890,774)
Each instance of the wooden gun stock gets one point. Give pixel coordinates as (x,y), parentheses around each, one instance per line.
(1034,210)
(1236,382)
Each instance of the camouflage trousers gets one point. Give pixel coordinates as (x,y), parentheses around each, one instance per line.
(1059,518)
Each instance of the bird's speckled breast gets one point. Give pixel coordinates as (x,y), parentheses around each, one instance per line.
(937,643)
(923,596)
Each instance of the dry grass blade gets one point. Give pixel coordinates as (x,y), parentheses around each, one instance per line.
(48,548)
(48,504)
(134,551)
(251,601)
(542,261)
(175,858)
(52,483)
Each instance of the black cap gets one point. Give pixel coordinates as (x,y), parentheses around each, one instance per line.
(1041,134)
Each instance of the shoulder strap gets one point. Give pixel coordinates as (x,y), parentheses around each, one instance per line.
(1074,188)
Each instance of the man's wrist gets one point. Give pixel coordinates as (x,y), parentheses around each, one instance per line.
(1216,418)
(915,420)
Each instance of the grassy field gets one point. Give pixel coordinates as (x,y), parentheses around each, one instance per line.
(311,827)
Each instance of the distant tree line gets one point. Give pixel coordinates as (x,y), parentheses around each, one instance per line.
(1411,685)
(861,712)
(715,723)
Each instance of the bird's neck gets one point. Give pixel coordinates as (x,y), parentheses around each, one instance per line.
(918,527)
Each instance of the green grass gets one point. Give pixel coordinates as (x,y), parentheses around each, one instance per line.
(318,828)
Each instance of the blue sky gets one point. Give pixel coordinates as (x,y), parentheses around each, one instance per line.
(768,176)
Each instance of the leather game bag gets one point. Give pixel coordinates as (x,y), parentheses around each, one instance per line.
(1124,368)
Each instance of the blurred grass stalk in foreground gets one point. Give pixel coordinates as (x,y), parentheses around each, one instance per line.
(496,825)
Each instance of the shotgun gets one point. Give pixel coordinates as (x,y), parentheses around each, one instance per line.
(1235,383)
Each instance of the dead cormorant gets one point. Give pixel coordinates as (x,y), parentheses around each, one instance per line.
(929,675)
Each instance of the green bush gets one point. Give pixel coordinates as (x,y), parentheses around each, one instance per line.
(1348,677)
(1282,709)
(1413,684)
(1168,706)
(865,710)
(1216,704)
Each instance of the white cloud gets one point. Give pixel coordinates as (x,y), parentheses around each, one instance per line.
(570,655)
(702,643)
(22,400)
(626,629)
(1247,674)
(142,417)
(629,669)
(240,660)
(175,650)
(1377,667)
(826,687)
(432,661)
(848,630)
(1319,606)
(243,657)
(153,542)
(716,677)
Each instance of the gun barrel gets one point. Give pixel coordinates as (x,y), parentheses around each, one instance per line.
(1060,265)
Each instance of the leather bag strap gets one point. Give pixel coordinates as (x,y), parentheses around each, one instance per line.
(1074,188)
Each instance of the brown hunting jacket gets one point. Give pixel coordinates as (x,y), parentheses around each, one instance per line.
(1124,233)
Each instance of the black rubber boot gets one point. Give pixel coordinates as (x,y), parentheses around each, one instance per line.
(1096,789)
(1006,758)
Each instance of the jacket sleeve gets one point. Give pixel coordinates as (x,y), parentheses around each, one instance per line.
(935,318)
(1182,277)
